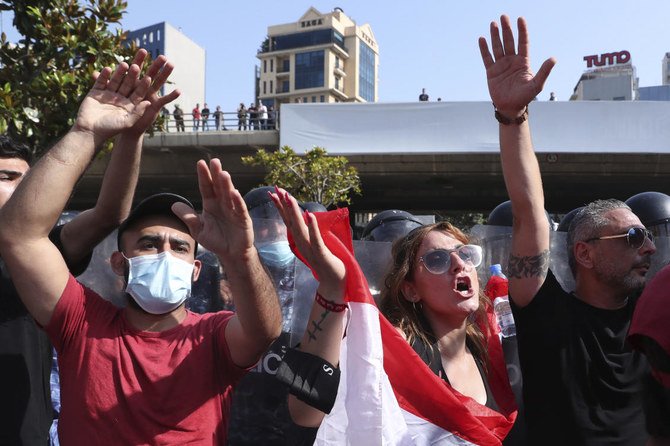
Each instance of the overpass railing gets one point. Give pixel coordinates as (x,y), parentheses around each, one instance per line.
(228,121)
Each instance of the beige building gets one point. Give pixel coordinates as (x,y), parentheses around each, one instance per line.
(319,58)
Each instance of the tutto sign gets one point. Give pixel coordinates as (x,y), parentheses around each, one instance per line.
(621,57)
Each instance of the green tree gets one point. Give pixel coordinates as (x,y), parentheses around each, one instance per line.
(44,76)
(315,176)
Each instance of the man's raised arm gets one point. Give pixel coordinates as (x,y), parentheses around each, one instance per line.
(115,103)
(225,228)
(512,87)
(86,230)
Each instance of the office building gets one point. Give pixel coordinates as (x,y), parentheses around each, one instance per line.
(319,58)
(188,58)
(666,69)
(609,77)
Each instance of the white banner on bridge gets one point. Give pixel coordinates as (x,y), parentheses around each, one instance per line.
(469,127)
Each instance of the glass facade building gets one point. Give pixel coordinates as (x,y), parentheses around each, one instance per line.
(319,58)
(309,70)
(366,72)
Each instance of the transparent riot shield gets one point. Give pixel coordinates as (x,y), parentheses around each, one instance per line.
(99,275)
(209,293)
(375,261)
(496,243)
(259,413)
(661,257)
(559,261)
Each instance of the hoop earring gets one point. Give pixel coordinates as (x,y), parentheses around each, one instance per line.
(417,306)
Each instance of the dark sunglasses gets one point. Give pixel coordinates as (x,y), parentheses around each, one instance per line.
(635,237)
(438,261)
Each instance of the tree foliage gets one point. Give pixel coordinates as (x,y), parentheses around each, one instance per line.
(44,76)
(315,176)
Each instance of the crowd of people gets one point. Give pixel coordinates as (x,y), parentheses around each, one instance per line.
(265,353)
(254,117)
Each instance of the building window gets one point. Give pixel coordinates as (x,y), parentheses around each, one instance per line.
(284,87)
(304,99)
(323,98)
(265,87)
(272,65)
(309,38)
(337,83)
(271,85)
(309,70)
(265,66)
(313,98)
(337,61)
(366,77)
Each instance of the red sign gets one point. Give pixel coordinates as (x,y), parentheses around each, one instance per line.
(607,59)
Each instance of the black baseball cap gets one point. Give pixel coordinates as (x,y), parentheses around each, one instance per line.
(158,204)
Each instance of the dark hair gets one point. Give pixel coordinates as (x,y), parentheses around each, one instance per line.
(407,316)
(12,149)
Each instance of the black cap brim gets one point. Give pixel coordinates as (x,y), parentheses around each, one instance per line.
(158,204)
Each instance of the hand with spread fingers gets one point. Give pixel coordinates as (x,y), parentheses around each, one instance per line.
(328,267)
(224,227)
(511,82)
(159,71)
(119,100)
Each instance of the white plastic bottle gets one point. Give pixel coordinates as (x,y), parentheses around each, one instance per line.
(497,291)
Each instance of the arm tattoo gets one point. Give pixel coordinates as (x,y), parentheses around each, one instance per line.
(528,266)
(316,327)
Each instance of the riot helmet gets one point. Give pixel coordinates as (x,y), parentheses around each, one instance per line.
(652,208)
(390,225)
(564,225)
(260,205)
(313,206)
(502,215)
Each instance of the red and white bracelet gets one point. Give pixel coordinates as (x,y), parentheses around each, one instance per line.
(329,304)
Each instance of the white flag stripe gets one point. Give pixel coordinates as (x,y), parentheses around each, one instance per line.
(366,411)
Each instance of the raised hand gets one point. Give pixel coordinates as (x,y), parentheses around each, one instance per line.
(224,227)
(120,99)
(511,82)
(328,267)
(159,71)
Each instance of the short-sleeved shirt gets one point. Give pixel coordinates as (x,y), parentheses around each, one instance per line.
(120,385)
(25,365)
(582,381)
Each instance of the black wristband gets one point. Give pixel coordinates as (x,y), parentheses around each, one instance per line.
(506,121)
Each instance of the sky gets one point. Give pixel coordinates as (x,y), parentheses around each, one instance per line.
(428,44)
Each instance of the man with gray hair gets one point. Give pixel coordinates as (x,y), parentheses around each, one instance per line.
(582,381)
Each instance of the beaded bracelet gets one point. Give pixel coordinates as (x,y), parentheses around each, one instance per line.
(329,304)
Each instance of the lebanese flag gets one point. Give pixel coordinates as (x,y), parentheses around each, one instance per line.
(387,394)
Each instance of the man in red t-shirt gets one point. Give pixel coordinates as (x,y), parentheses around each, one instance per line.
(151,372)
(196,117)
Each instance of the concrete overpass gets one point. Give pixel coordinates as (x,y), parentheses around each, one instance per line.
(441,182)
(414,181)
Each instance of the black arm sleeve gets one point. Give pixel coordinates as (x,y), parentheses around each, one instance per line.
(310,378)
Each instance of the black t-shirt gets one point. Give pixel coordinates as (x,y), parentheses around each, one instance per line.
(25,365)
(657,408)
(582,381)
(431,356)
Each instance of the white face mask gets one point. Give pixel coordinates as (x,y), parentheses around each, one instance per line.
(159,283)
